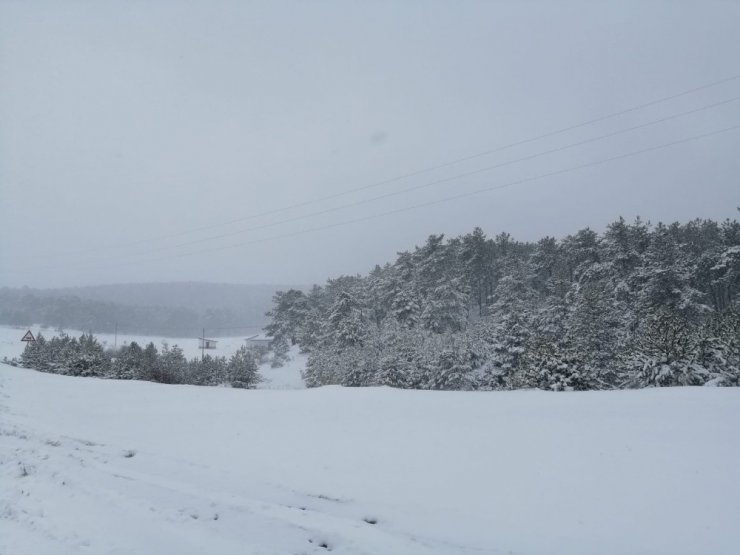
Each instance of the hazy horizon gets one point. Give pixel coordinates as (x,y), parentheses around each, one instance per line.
(307,285)
(184,282)
(168,141)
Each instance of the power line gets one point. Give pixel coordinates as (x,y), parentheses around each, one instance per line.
(422,170)
(467,158)
(420,186)
(473,193)
(448,179)
(450,198)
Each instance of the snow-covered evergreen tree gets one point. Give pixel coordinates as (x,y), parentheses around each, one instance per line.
(243,371)
(405,307)
(171,366)
(476,257)
(453,371)
(636,306)
(663,353)
(88,358)
(291,309)
(35,355)
(445,308)
(280,350)
(346,325)
(402,362)
(596,331)
(551,365)
(324,367)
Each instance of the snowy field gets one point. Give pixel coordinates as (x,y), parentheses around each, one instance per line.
(287,377)
(103,467)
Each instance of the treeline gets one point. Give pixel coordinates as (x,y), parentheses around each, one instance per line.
(637,306)
(18,308)
(86,357)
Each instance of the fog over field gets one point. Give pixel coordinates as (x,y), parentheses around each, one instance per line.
(170,309)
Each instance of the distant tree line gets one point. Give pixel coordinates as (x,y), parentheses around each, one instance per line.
(19,308)
(640,305)
(85,356)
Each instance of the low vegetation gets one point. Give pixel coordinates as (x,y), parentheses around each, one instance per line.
(86,357)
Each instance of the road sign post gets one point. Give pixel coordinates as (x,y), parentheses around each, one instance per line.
(28,337)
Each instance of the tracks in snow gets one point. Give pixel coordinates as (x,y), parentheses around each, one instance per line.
(73,495)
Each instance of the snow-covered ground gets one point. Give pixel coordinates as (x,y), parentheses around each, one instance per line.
(286,377)
(103,466)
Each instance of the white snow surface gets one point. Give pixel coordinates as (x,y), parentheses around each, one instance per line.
(123,467)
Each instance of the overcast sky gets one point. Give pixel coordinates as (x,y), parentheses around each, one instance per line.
(130,130)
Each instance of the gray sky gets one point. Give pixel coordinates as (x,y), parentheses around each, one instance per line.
(123,122)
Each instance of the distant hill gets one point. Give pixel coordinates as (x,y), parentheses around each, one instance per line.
(192,295)
(171,309)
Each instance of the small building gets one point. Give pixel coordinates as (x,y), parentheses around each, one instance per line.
(259,340)
(204,343)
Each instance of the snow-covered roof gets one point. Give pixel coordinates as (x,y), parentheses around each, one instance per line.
(259,337)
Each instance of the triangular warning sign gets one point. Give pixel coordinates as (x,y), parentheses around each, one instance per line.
(28,337)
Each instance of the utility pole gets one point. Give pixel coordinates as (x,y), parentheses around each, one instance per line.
(115,340)
(203,346)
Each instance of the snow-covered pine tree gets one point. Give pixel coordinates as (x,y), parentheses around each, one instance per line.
(242,369)
(445,307)
(718,348)
(452,370)
(580,252)
(324,367)
(476,257)
(171,366)
(358,365)
(405,307)
(36,354)
(128,362)
(663,353)
(346,325)
(665,277)
(88,359)
(550,274)
(551,365)
(596,330)
(402,361)
(399,291)
(280,350)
